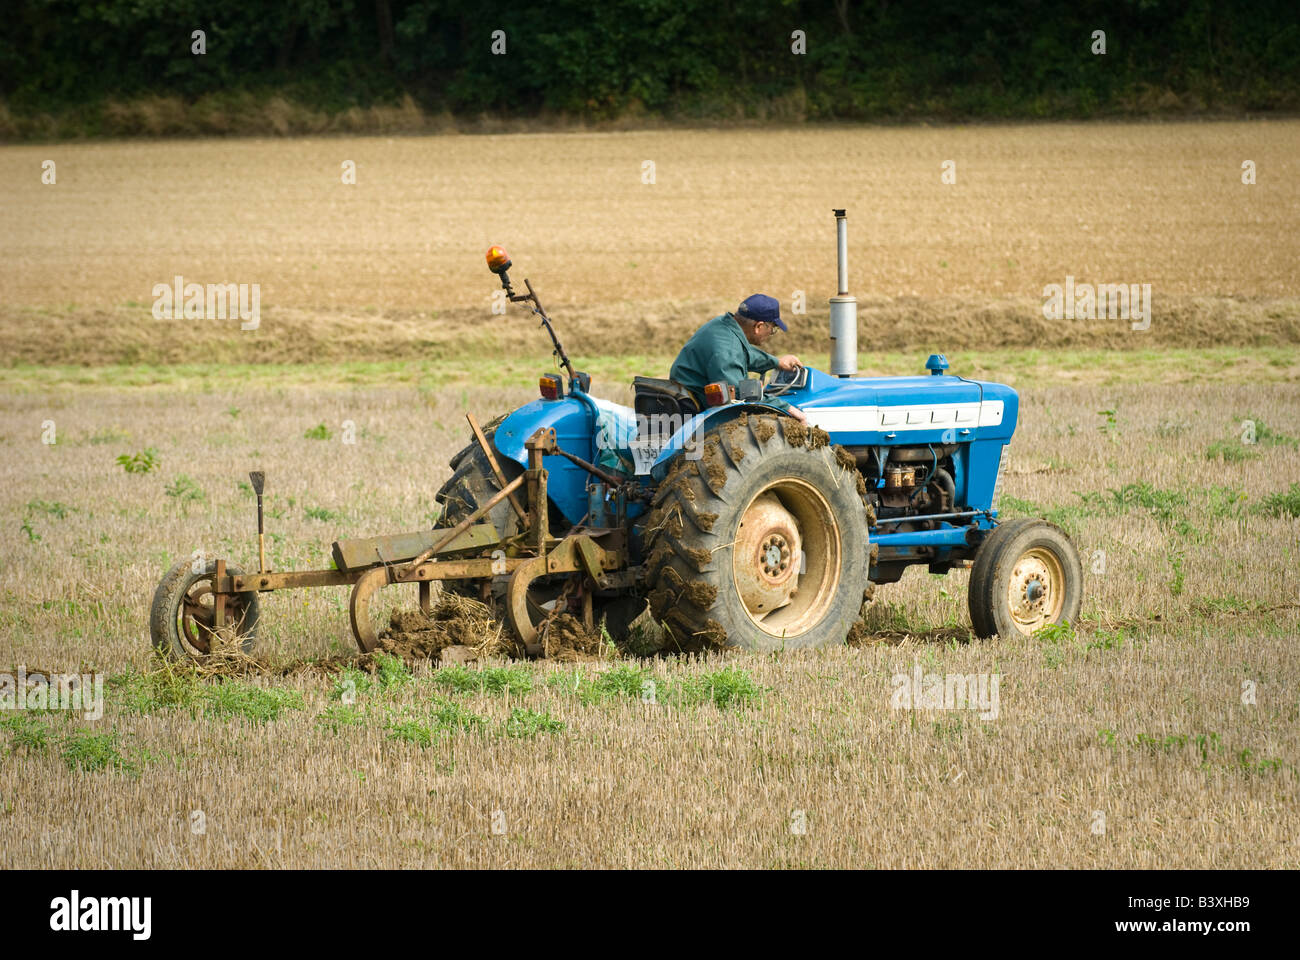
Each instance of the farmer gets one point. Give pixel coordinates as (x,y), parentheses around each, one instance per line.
(726,350)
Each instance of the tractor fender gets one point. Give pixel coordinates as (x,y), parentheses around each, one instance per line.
(584,426)
(572,421)
(697,427)
(569,417)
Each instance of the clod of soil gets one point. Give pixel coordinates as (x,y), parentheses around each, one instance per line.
(796,434)
(715,471)
(844,458)
(764,428)
(564,638)
(455,621)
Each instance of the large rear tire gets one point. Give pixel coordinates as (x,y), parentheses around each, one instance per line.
(1027,575)
(762,543)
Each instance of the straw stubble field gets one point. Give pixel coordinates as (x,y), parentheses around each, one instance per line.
(1161,731)
(1138,714)
(391,266)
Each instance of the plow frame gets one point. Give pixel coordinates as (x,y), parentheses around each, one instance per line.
(596,553)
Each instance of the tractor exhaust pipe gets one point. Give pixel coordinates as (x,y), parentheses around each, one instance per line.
(844,308)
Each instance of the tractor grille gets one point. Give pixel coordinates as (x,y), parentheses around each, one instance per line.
(997,483)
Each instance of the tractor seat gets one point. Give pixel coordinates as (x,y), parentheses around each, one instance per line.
(662,398)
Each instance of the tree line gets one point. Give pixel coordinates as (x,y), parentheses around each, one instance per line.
(838,59)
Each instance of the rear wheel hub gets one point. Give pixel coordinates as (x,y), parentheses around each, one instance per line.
(786,557)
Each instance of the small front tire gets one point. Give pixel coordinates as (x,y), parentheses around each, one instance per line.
(1027,575)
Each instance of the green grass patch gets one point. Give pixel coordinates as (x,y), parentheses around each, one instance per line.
(411,731)
(176,686)
(1016,366)
(390,671)
(1209,746)
(524,724)
(351,684)
(337,717)
(498,680)
(185,489)
(725,688)
(1109,640)
(1054,633)
(1230,451)
(1285,503)
(443,720)
(83,750)
(169,687)
(1207,606)
(26,733)
(145,461)
(1265,435)
(50,508)
(255,704)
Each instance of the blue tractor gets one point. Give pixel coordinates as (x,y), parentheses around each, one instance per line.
(735,524)
(741,526)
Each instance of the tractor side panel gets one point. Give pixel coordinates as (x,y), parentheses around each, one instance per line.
(566,484)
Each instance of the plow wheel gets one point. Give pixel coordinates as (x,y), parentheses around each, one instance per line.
(183,615)
(1027,575)
(760,544)
(531,604)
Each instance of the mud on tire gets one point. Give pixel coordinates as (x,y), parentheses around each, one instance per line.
(726,534)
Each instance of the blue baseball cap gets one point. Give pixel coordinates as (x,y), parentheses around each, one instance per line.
(760,307)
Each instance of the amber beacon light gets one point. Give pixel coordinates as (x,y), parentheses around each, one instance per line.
(498,260)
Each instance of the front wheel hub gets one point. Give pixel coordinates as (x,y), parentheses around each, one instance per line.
(1035,592)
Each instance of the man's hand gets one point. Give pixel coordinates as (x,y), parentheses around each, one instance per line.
(797,414)
(788,362)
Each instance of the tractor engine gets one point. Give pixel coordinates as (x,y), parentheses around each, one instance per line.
(917,480)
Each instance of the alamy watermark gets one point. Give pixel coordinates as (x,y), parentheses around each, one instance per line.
(954,691)
(52,691)
(1084,301)
(75,913)
(212,301)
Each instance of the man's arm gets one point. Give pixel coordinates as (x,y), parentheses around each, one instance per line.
(731,367)
(759,360)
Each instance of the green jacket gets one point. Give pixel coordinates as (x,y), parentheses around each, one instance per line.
(719,353)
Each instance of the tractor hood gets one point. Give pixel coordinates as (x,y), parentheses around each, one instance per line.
(930,409)
(875,411)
